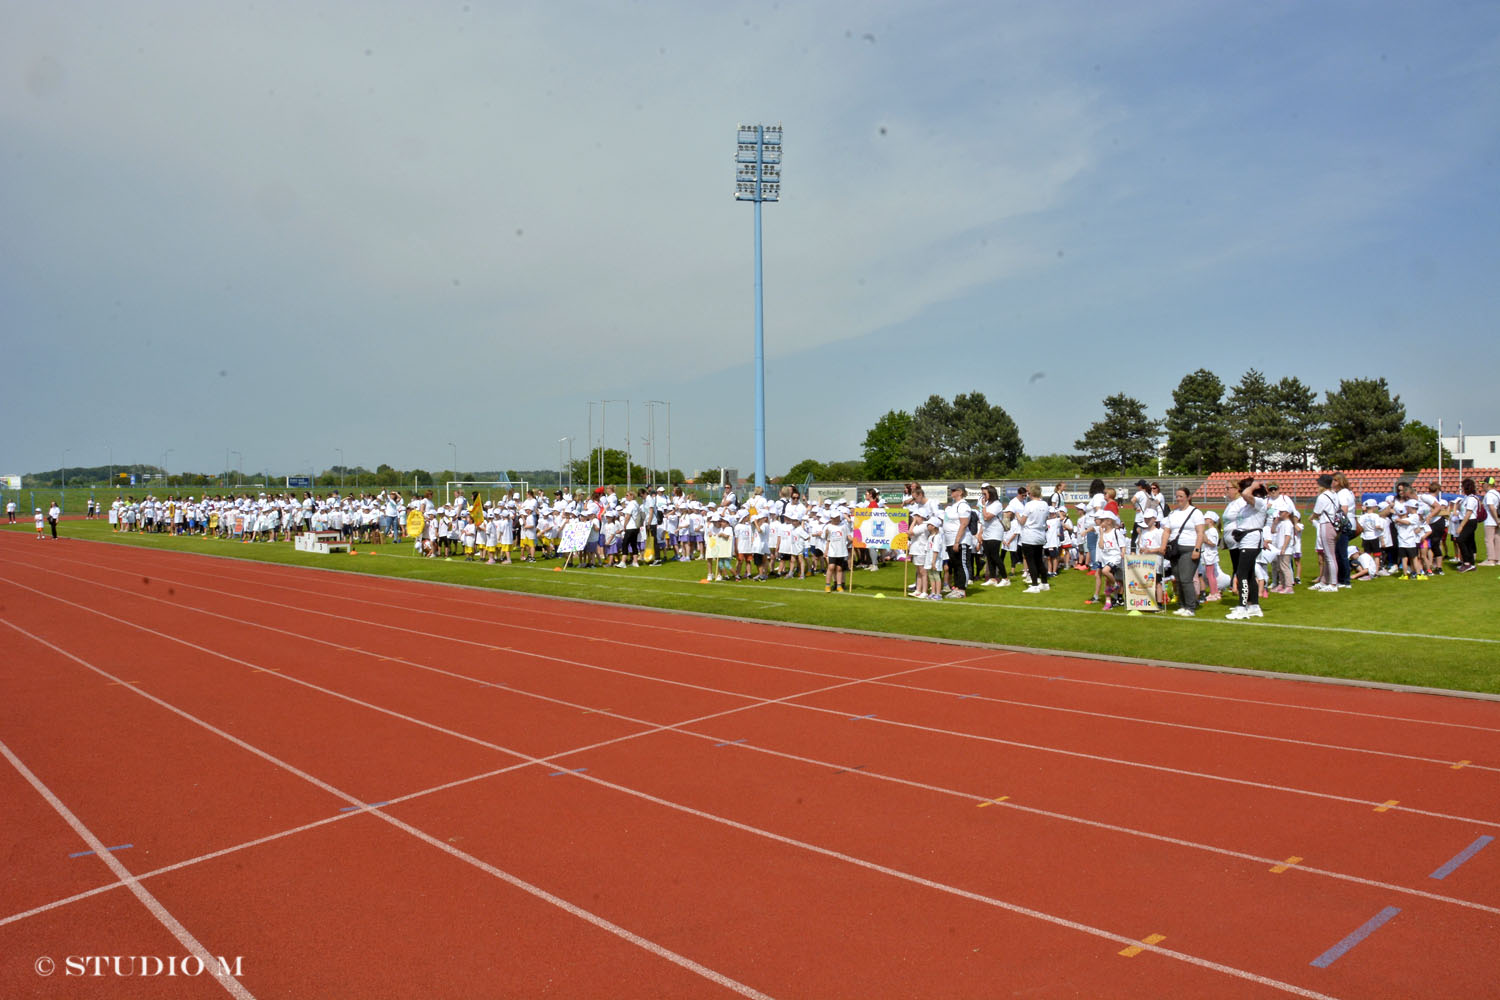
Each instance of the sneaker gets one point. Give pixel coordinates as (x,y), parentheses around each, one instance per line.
(1004,582)
(1046,587)
(954,595)
(1184,613)
(1091,600)
(1422,577)
(1035,588)
(1254,611)
(1236,614)
(1108,603)
(828,589)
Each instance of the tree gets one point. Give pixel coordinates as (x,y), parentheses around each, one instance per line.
(964,439)
(610,470)
(1125,438)
(1197,431)
(1364,427)
(1422,446)
(849,471)
(1254,420)
(885,446)
(799,473)
(1299,423)
(1048,468)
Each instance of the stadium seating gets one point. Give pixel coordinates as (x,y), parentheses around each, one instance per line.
(1301,485)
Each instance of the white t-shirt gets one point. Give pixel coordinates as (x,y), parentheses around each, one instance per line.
(1034,522)
(1326,508)
(993,529)
(1182,527)
(955,522)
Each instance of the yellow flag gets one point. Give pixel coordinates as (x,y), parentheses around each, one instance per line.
(476,511)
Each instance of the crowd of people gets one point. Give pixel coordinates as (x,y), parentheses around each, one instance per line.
(953,544)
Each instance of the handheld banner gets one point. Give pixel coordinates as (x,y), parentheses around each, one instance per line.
(574,537)
(415,522)
(880,529)
(1141,575)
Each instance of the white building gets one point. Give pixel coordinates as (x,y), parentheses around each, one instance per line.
(1480,451)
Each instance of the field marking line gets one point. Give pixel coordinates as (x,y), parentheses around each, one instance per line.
(1369,927)
(910,687)
(572,909)
(723,821)
(791,704)
(1464,855)
(184,937)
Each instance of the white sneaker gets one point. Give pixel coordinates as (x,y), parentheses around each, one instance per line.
(1254,611)
(1004,582)
(1046,587)
(1184,613)
(1236,613)
(1035,588)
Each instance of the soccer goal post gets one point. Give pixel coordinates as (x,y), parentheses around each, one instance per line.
(492,490)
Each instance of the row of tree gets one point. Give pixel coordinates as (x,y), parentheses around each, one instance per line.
(1253,425)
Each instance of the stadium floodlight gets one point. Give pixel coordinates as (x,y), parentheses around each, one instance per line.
(65,467)
(757,178)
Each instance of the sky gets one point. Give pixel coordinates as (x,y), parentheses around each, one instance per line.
(306,233)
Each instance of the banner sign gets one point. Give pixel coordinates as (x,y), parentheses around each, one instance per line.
(298,482)
(1142,572)
(880,528)
(10,482)
(415,522)
(575,536)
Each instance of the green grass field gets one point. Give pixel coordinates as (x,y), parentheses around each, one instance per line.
(1443,633)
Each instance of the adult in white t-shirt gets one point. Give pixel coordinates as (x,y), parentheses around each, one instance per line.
(991,531)
(955,526)
(1325,513)
(1034,514)
(1245,522)
(1186,527)
(1465,520)
(1491,524)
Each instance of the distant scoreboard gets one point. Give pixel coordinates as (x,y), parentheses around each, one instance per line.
(298,482)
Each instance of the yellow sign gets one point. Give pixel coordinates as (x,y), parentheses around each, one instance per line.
(880,528)
(415,522)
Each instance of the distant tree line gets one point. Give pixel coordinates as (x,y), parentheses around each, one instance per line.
(1254,425)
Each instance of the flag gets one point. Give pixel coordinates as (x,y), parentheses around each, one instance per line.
(476,511)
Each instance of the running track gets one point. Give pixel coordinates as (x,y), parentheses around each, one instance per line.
(379,788)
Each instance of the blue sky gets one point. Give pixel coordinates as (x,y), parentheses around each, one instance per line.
(287,229)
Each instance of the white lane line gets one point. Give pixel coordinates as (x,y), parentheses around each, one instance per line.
(723,821)
(184,937)
(937,691)
(343,575)
(1161,768)
(577,911)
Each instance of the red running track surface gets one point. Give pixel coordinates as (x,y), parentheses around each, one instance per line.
(353,786)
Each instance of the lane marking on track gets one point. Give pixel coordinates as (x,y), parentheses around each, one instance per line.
(1462,764)
(729,743)
(685,809)
(787,700)
(233,985)
(1291,862)
(576,770)
(550,632)
(1461,857)
(184,937)
(1146,942)
(994,802)
(1369,927)
(1387,805)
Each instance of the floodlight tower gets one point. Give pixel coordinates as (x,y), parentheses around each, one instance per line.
(757,178)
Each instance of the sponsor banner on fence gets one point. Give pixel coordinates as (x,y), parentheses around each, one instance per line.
(880,529)
(10,482)
(1142,573)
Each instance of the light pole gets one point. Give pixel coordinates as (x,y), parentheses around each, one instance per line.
(627,436)
(569,466)
(164,465)
(239,457)
(341,468)
(590,439)
(65,467)
(650,403)
(758,179)
(455,458)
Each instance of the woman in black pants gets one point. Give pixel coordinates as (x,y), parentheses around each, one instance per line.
(1466,513)
(1245,522)
(991,530)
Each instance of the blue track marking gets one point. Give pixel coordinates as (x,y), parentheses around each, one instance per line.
(730,743)
(1370,926)
(856,718)
(1461,857)
(117,847)
(576,770)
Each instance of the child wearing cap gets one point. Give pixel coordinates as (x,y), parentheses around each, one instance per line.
(41,524)
(836,544)
(1109,552)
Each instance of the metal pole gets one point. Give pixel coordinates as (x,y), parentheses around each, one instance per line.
(627,446)
(669,447)
(760,336)
(455,458)
(603,416)
(341,468)
(65,468)
(241,468)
